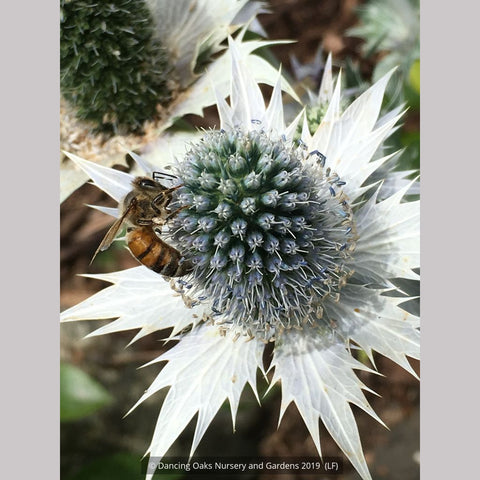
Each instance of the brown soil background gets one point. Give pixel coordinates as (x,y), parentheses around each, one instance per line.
(390,455)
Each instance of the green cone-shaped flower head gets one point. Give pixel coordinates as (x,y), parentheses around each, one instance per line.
(113,69)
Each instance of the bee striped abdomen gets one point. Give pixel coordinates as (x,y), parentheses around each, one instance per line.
(155,254)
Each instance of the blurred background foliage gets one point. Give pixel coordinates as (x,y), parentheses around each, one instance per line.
(100,379)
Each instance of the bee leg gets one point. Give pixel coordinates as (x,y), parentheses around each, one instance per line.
(163,199)
(172,189)
(158,221)
(164,194)
(157,202)
(144,221)
(176,212)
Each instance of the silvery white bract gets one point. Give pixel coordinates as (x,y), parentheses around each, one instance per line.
(189,28)
(292,245)
(316,107)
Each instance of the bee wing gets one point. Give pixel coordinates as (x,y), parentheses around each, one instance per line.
(112,232)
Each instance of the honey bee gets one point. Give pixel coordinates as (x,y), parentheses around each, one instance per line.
(145,212)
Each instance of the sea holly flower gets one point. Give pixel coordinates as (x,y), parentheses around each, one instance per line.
(291,245)
(133,69)
(317,103)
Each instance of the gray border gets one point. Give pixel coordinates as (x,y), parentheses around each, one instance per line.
(450,330)
(450,266)
(30,245)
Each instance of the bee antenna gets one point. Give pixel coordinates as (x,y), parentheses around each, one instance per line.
(157,175)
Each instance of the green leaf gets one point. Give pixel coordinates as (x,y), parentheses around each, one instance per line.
(414,76)
(411,157)
(80,395)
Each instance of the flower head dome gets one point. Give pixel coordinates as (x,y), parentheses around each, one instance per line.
(289,243)
(267,229)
